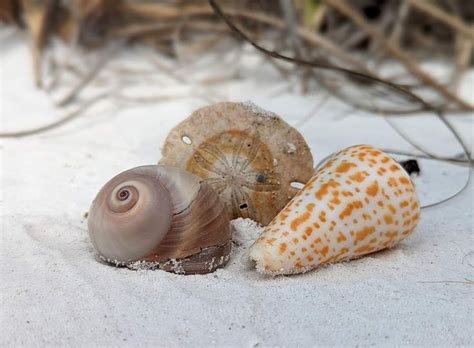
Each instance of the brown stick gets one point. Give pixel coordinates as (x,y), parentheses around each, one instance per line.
(38,18)
(160,12)
(442,16)
(407,60)
(324,65)
(47,127)
(464,48)
(89,77)
(402,15)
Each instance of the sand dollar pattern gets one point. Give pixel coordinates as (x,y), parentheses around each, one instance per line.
(237,165)
(249,156)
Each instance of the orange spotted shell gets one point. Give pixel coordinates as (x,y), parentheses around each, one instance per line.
(360,201)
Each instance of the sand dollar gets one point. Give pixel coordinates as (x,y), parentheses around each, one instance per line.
(250,157)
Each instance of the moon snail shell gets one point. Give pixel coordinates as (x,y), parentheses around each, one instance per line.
(163,216)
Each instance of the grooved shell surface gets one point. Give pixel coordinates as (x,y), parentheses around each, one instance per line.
(173,219)
(250,157)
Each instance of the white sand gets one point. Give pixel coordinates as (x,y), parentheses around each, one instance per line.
(55,292)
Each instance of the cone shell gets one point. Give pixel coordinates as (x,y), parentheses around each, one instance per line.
(360,201)
(161,215)
(249,156)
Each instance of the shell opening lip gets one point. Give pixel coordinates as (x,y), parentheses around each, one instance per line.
(207,260)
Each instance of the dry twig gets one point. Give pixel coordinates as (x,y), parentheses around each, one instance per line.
(407,61)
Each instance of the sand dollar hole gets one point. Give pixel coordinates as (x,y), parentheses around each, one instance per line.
(187,140)
(297,185)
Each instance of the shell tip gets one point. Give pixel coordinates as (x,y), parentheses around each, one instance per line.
(256,261)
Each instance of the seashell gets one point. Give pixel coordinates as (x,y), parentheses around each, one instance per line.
(160,215)
(249,156)
(359,201)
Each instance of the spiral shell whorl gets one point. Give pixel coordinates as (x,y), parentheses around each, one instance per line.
(130,215)
(123,198)
(161,215)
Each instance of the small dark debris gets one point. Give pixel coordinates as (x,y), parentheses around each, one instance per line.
(261,178)
(411,166)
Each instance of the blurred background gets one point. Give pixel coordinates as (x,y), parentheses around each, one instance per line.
(399,41)
(90,88)
(77,66)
